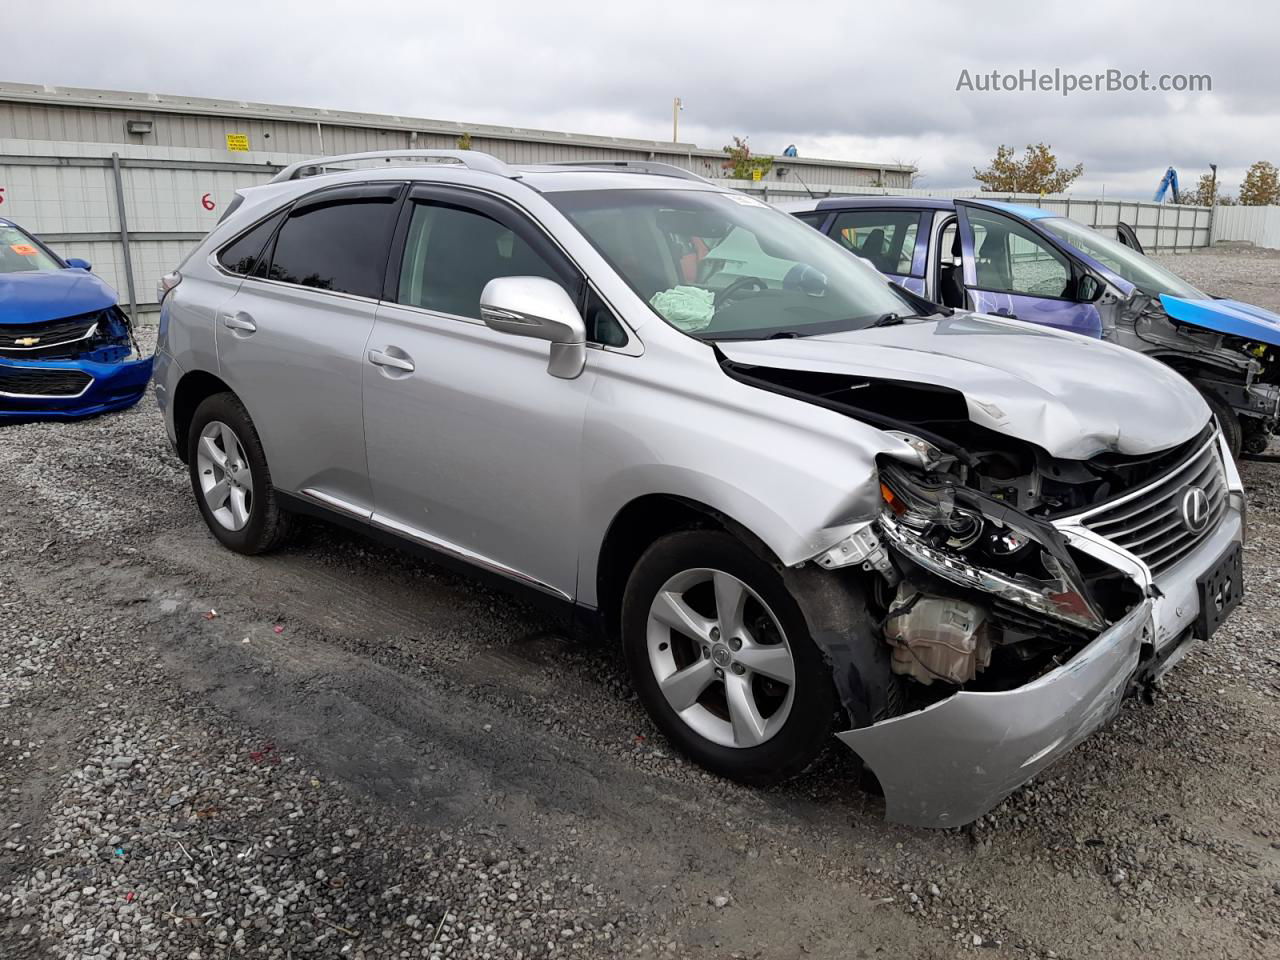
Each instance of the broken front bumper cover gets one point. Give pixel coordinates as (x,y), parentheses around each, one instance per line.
(948,764)
(106,386)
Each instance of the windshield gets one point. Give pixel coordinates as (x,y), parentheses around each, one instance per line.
(1143,273)
(724,266)
(19,253)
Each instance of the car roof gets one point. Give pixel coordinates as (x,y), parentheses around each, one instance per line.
(1021,209)
(876,202)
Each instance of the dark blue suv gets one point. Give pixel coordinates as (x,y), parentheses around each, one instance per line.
(67,350)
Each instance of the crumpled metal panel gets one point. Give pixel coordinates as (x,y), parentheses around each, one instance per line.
(948,764)
(1029,382)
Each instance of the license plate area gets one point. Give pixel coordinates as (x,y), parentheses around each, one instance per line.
(1221,590)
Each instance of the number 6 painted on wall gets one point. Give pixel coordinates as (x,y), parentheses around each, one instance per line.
(207,202)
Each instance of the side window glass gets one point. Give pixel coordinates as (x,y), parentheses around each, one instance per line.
(451,253)
(339,246)
(241,254)
(1010,258)
(885,238)
(602,326)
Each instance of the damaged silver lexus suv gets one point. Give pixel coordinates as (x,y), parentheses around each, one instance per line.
(807,503)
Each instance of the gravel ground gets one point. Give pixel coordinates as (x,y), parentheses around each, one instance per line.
(338,750)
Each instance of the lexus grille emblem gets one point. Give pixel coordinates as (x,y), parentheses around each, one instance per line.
(1195,509)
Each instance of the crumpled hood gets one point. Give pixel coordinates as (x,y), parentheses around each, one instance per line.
(39,295)
(1225,316)
(1070,395)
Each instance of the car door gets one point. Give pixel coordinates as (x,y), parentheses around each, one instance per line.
(291,341)
(892,241)
(1012,270)
(473,448)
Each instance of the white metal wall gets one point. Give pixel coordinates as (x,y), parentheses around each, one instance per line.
(1259,226)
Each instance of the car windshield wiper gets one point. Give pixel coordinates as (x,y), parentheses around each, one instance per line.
(888,320)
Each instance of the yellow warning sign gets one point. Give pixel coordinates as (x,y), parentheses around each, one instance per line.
(755,174)
(238,142)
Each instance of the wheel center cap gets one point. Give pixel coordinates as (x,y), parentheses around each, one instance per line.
(721,655)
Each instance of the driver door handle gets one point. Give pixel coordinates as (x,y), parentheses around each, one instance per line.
(238,321)
(380,359)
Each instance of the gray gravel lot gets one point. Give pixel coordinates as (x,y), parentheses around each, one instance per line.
(338,750)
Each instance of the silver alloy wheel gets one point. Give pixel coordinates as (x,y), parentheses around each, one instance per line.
(226,482)
(727,671)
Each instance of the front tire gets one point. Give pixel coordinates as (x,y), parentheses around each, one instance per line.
(1228,421)
(720,656)
(230,478)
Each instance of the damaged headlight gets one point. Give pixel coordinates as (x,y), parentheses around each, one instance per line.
(983,545)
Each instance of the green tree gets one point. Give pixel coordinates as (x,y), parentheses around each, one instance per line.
(1203,196)
(742,163)
(1261,185)
(464,142)
(1036,172)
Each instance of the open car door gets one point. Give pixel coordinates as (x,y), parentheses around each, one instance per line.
(1128,236)
(1011,269)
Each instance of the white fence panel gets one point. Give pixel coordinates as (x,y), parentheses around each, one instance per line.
(1259,226)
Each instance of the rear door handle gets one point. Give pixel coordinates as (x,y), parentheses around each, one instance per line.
(238,321)
(380,359)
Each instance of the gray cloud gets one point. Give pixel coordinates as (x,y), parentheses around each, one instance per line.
(837,79)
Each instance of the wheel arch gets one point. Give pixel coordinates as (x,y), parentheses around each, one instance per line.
(639,524)
(192,390)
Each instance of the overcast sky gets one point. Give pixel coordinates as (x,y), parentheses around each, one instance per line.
(845,80)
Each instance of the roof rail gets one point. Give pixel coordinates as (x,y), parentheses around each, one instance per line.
(471,159)
(639,166)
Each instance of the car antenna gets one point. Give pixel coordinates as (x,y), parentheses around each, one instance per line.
(805,185)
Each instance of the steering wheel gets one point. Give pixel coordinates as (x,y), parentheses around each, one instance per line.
(742,283)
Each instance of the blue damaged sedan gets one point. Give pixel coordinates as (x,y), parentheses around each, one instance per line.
(67,350)
(1032,264)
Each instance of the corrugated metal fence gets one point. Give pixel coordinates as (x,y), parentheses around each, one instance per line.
(1259,226)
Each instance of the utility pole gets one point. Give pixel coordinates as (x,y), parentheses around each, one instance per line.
(676,107)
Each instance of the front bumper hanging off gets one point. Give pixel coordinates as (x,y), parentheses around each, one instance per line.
(951,762)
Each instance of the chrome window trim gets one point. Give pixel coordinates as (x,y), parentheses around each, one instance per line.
(533,219)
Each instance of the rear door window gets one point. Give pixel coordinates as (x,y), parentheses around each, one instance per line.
(338,240)
(241,254)
(885,238)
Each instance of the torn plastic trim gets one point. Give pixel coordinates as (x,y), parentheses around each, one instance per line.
(948,764)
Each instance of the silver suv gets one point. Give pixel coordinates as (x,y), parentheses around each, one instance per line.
(805,501)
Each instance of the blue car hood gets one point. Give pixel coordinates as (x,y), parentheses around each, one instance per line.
(39,295)
(1225,316)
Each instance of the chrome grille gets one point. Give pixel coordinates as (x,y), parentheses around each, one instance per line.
(1149,523)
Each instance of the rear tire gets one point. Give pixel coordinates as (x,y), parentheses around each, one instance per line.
(230,478)
(731,709)
(1228,421)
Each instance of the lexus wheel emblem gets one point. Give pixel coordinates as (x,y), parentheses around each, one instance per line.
(1195,509)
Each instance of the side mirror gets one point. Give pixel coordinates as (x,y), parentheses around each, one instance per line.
(1089,289)
(539,308)
(78,264)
